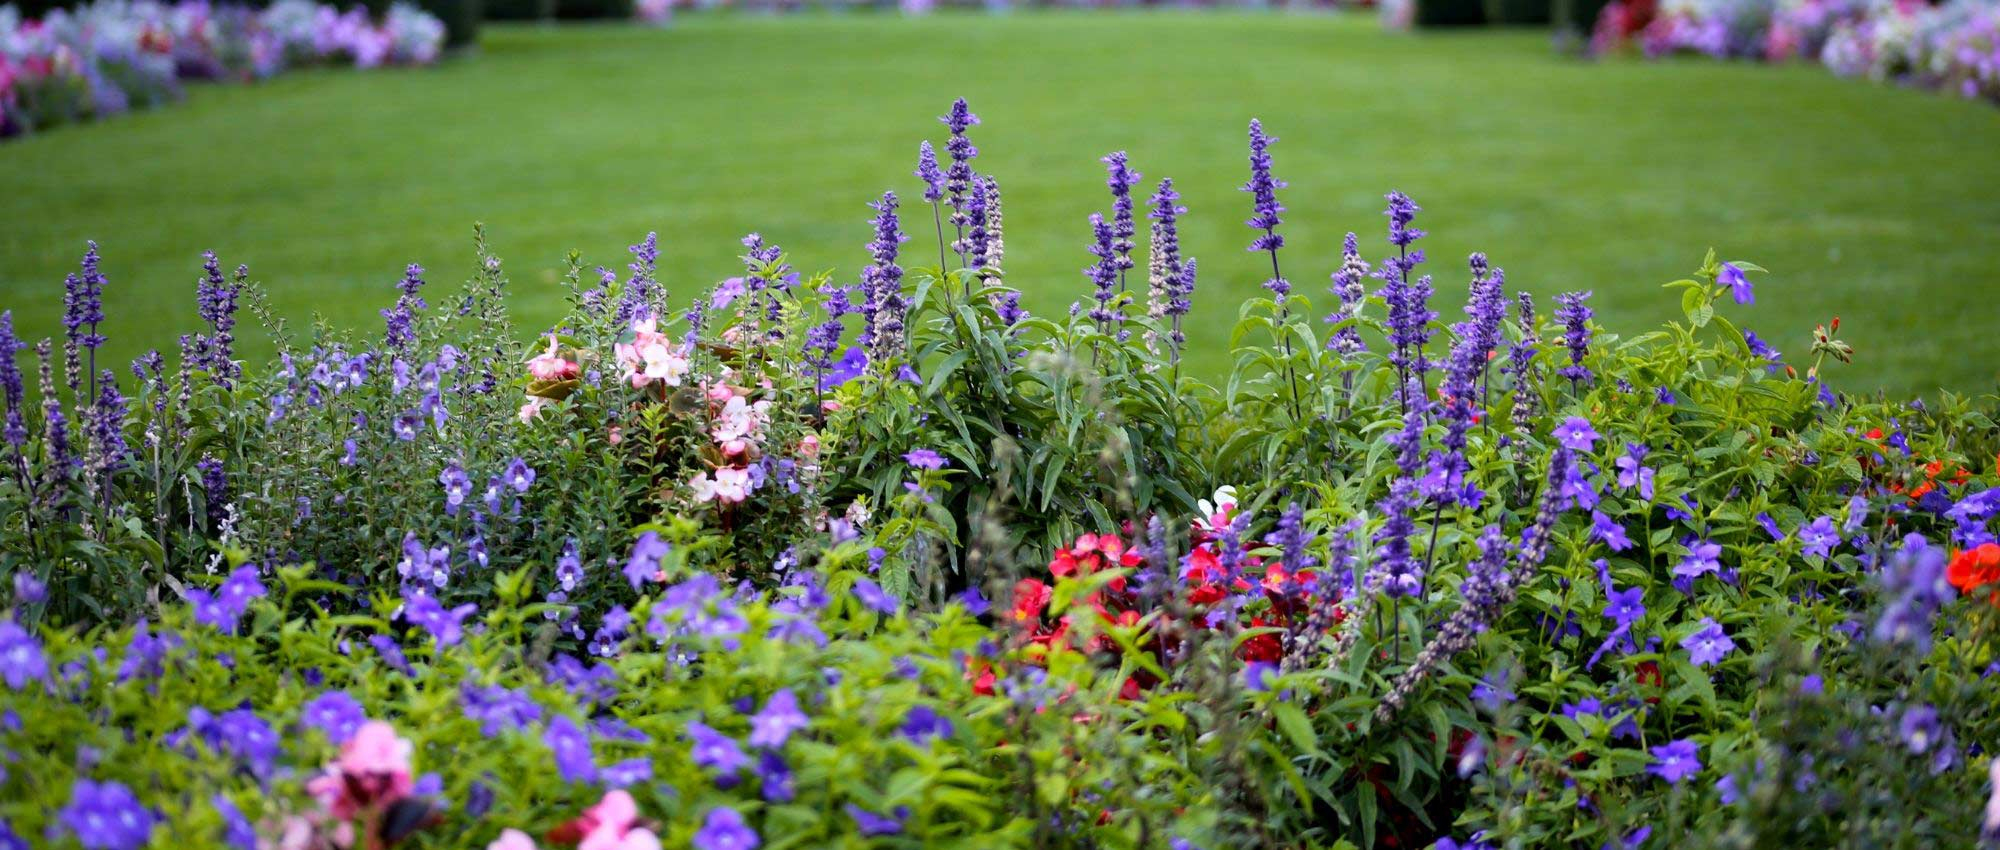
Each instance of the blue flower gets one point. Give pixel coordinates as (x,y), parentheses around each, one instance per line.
(21,658)
(871,824)
(779,719)
(106,816)
(1676,761)
(1576,434)
(873,596)
(1604,528)
(1708,644)
(1819,537)
(724,829)
(926,459)
(716,751)
(1739,285)
(570,745)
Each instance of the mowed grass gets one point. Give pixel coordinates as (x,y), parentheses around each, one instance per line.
(1878,204)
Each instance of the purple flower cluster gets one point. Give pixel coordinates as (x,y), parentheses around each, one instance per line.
(215,299)
(225,607)
(400,319)
(1913,586)
(107,816)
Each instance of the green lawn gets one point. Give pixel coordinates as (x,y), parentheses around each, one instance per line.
(1872,202)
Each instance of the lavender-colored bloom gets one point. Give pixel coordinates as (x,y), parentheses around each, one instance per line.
(499,709)
(724,829)
(13,392)
(1294,541)
(1576,434)
(716,751)
(1573,311)
(400,318)
(1708,644)
(774,778)
(334,713)
(1761,349)
(928,171)
(1632,471)
(1703,557)
(780,717)
(1351,290)
(642,291)
(104,424)
(446,626)
(1394,571)
(923,723)
(1919,728)
(870,824)
(422,567)
(883,307)
(519,475)
(1259,675)
(1675,761)
(1103,276)
(644,564)
(1408,300)
(569,744)
(29,590)
(21,657)
(925,459)
(1739,285)
(1265,209)
(244,736)
(874,597)
(237,832)
(106,816)
(1610,531)
(1819,537)
(1915,585)
(215,300)
(83,309)
(958,176)
(1121,180)
(627,773)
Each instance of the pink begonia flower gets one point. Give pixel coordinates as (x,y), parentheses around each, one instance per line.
(512,839)
(730,485)
(373,769)
(550,366)
(809,445)
(531,409)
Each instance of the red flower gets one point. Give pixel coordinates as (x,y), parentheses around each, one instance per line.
(1030,597)
(1976,568)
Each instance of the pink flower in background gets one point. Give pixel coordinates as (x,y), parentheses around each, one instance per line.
(551,366)
(512,839)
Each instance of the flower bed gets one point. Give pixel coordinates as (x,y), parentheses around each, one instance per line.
(1954,47)
(112,56)
(877,559)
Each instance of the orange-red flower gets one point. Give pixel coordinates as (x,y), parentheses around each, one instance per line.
(1973,569)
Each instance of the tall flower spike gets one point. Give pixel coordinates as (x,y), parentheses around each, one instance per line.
(958,176)
(1408,300)
(642,292)
(1163,262)
(1120,180)
(13,390)
(882,285)
(978,237)
(83,309)
(1573,311)
(215,300)
(399,319)
(1103,275)
(1263,189)
(1488,588)
(996,242)
(1521,364)
(1352,292)
(929,172)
